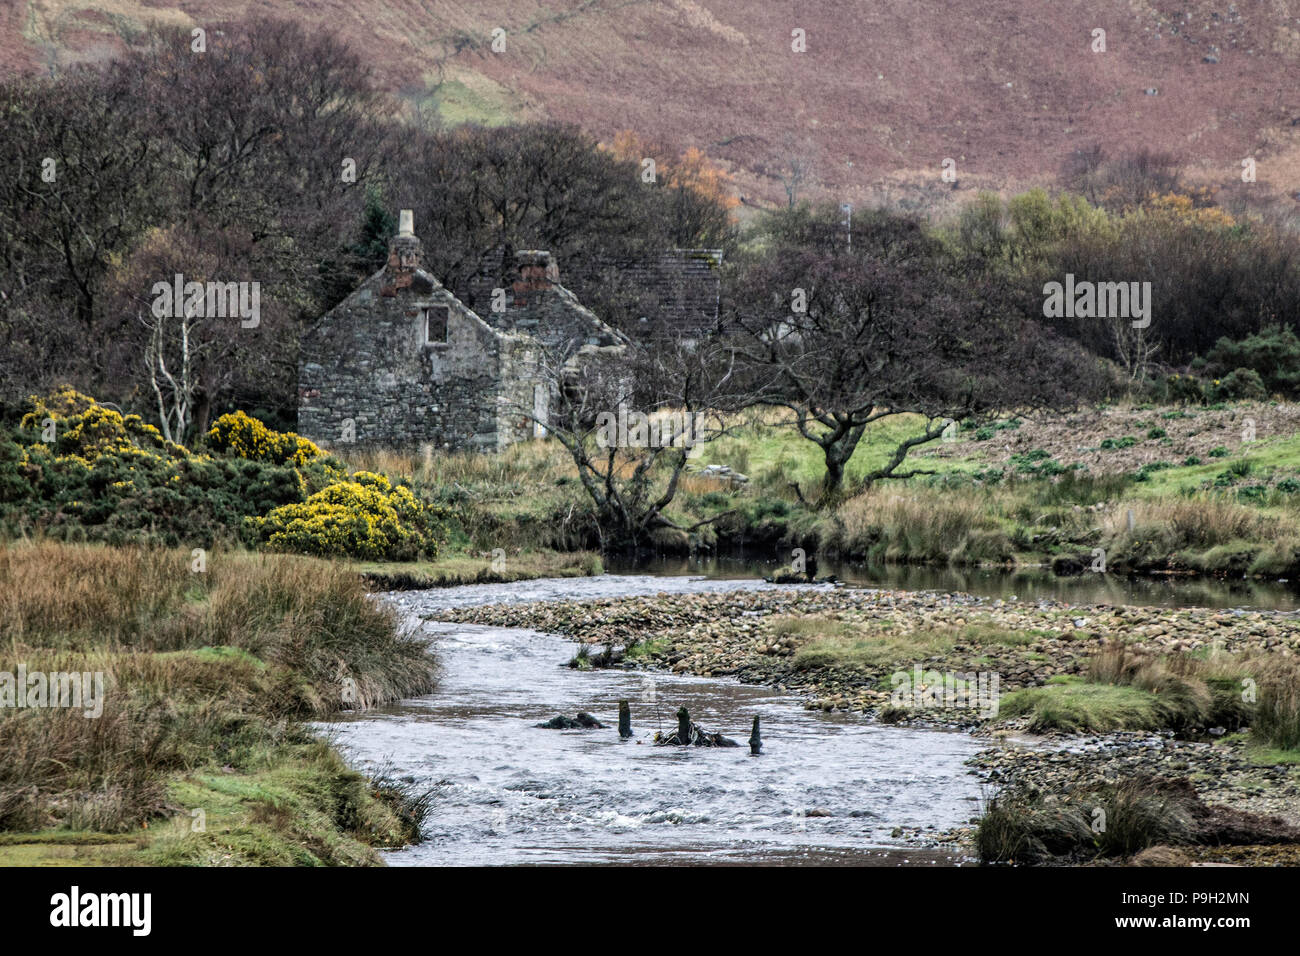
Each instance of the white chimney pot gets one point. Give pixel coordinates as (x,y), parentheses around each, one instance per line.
(406,223)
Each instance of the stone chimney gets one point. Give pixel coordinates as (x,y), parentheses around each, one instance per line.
(536,271)
(405,256)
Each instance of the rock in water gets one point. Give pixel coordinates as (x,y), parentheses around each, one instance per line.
(584,721)
(624,719)
(755,741)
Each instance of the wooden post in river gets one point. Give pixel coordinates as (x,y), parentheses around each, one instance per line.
(624,719)
(683,726)
(755,741)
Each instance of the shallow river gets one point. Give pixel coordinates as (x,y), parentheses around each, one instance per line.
(1029,583)
(826,789)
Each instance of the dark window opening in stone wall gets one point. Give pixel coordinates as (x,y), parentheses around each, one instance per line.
(433,322)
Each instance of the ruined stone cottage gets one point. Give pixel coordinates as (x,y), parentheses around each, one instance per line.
(402,362)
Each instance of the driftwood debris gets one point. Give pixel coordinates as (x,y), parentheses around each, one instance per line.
(807,576)
(688,734)
(584,721)
(790,577)
(624,719)
(755,741)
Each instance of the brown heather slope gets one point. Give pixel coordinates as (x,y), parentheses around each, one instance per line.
(883,94)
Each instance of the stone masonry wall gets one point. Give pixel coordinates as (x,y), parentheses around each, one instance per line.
(365,362)
(539,306)
(381,368)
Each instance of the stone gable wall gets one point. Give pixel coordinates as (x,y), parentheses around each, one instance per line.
(555,317)
(364,361)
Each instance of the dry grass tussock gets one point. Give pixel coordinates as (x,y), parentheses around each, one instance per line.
(216,667)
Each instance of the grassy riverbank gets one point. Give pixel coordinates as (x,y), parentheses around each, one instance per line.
(200,752)
(500,567)
(1212,490)
(1203,490)
(1194,490)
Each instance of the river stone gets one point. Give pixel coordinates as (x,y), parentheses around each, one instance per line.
(584,721)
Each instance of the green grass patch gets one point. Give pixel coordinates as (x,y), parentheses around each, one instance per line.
(471,568)
(827,642)
(781,455)
(305,808)
(472,99)
(648,648)
(1272,756)
(204,708)
(1079,707)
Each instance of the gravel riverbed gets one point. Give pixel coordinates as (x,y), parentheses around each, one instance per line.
(732,634)
(748,635)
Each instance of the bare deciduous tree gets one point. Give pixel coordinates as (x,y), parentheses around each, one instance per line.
(794,171)
(629,418)
(1135,348)
(846,337)
(173,392)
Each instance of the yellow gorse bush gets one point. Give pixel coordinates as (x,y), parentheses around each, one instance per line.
(116,472)
(365,517)
(245,437)
(64,402)
(88,429)
(101,429)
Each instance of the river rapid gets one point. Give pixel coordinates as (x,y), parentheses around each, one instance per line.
(827,789)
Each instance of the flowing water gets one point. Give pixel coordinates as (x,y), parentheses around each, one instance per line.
(827,788)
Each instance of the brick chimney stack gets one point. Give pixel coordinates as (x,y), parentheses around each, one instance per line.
(536,271)
(405,256)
